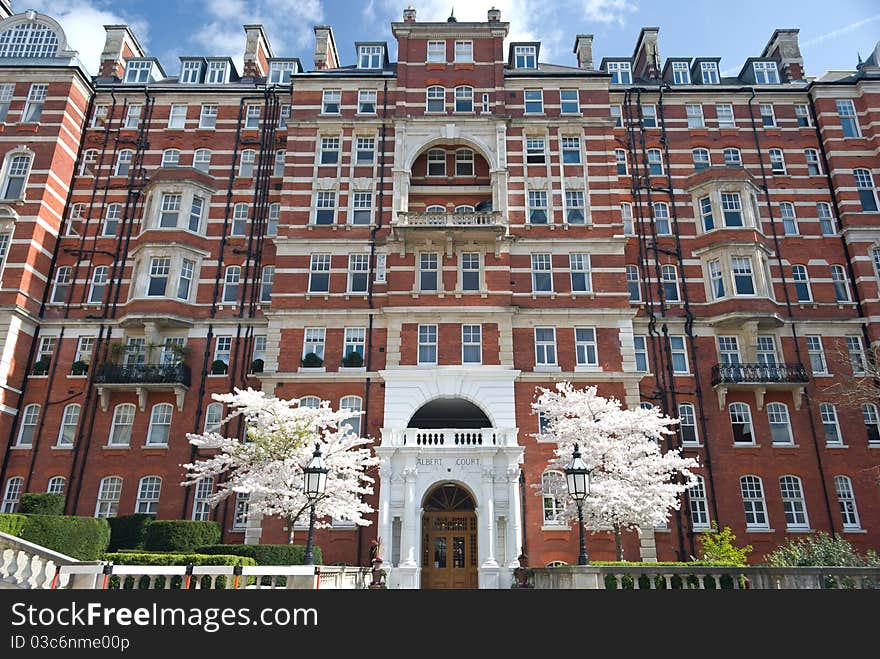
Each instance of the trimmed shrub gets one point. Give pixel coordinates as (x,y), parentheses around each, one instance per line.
(85,538)
(41,503)
(265,554)
(128,531)
(353,360)
(12,523)
(180,535)
(820,550)
(143,558)
(311,360)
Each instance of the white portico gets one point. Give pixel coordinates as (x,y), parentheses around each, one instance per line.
(469,447)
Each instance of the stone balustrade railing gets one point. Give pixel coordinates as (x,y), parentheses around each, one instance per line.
(456,220)
(28,566)
(451,438)
(702,577)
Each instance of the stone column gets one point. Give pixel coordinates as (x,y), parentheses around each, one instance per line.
(384,530)
(647,546)
(488,507)
(410,520)
(514,517)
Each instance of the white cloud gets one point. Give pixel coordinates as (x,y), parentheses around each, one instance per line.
(839,31)
(608,11)
(83,22)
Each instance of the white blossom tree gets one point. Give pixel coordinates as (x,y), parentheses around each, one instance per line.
(281,437)
(634,484)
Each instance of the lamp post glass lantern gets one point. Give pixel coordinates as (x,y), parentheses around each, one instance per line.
(314,484)
(577,478)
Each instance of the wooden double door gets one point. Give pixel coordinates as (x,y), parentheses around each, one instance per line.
(449,550)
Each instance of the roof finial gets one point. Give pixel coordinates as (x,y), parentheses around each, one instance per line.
(452,18)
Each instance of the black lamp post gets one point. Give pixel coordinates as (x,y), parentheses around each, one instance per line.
(577,477)
(314,484)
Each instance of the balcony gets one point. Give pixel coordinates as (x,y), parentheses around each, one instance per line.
(475,225)
(450,438)
(142,378)
(760,378)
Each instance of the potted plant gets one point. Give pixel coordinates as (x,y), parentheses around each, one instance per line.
(79,367)
(117,350)
(219,367)
(353,360)
(257,366)
(311,360)
(41,367)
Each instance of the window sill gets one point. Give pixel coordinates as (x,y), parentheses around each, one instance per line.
(550,369)
(760,530)
(799,530)
(116,447)
(61,448)
(352,369)
(312,369)
(875,445)
(159,446)
(590,295)
(555,527)
(846,530)
(831,446)
(42,376)
(588,369)
(743,445)
(21,448)
(78,377)
(217,375)
(691,445)
(774,445)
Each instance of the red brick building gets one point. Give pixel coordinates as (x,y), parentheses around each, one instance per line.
(442,235)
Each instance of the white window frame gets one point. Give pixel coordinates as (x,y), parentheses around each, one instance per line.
(830,424)
(779,421)
(849,512)
(754,502)
(794,503)
(109,493)
(177,116)
(331,102)
(741,414)
(725,115)
(766,73)
(436,52)
(471,342)
(464,52)
(586,347)
(545,349)
(121,425)
(149,492)
(427,351)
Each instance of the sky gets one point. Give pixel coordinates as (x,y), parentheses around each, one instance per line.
(167,29)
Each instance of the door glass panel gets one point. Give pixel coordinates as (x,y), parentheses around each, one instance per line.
(440,551)
(458,551)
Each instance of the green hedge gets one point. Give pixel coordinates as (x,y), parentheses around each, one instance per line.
(41,503)
(265,554)
(182,536)
(129,531)
(144,583)
(85,538)
(12,523)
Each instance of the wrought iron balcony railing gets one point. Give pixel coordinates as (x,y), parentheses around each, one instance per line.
(171,374)
(759,374)
(451,220)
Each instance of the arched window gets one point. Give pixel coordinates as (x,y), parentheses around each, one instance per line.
(464,162)
(170,158)
(828,413)
(17,167)
(123,162)
(789,219)
(865,186)
(246,163)
(310,401)
(69,421)
(464,208)
(109,491)
(435,99)
(120,428)
(239,220)
(847,500)
(826,219)
(801,283)
(99,284)
(26,432)
(670,283)
(202,493)
(661,218)
(780,425)
(464,99)
(61,285)
(741,422)
(702,159)
(436,162)
(111,220)
(552,487)
(699,508)
(12,494)
(160,425)
(777,162)
(841,285)
(149,489)
(231,283)
(213,417)
(754,507)
(732,158)
(88,163)
(240,512)
(436,208)
(793,504)
(872,423)
(557,564)
(354,404)
(267,281)
(688,424)
(633,284)
(655,162)
(202,160)
(30,39)
(56,485)
(272,219)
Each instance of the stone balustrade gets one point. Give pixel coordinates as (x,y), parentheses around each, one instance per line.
(25,565)
(451,438)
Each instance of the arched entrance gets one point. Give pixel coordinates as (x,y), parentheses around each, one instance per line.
(449,538)
(449,413)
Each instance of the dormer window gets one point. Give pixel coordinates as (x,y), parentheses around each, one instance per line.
(525,57)
(680,73)
(138,72)
(280,72)
(709,72)
(621,73)
(190,72)
(765,73)
(436,52)
(370,57)
(217,73)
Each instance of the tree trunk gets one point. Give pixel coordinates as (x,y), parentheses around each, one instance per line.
(290,523)
(618,543)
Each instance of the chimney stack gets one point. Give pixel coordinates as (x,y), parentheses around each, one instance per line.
(783,47)
(646,58)
(119,43)
(326,55)
(409,15)
(494,15)
(257,52)
(583,48)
